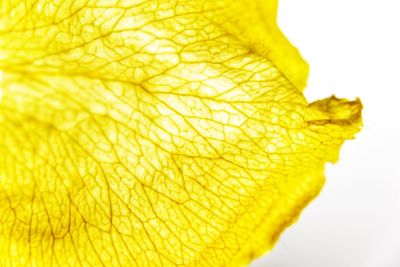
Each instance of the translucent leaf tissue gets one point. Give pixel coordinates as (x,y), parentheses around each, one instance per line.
(155,133)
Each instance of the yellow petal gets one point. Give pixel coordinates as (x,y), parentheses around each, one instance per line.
(155,133)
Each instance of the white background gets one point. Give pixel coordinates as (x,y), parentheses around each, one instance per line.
(353,48)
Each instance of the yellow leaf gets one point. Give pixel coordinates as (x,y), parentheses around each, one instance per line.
(155,133)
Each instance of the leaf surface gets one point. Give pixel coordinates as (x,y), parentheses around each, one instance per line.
(155,133)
